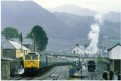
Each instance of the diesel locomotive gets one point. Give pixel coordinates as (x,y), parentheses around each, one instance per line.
(34,62)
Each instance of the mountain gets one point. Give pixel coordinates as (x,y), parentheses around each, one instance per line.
(64,30)
(23,15)
(81,25)
(74,10)
(113,16)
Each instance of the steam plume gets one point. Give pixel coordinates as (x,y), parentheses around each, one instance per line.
(93,35)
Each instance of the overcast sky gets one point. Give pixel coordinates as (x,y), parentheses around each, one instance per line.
(98,5)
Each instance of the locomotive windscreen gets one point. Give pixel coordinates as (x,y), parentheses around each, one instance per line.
(31,55)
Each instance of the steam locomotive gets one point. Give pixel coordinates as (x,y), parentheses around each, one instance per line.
(91,65)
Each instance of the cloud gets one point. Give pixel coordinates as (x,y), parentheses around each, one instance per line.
(21,0)
(97,5)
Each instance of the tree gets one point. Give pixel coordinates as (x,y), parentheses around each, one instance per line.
(39,36)
(10,32)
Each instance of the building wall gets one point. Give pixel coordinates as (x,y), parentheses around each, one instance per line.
(115,65)
(11,53)
(77,50)
(115,53)
(18,53)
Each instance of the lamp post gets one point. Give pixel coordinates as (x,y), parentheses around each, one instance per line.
(108,62)
(21,40)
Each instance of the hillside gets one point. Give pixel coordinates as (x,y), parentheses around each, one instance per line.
(64,30)
(76,10)
(81,24)
(23,15)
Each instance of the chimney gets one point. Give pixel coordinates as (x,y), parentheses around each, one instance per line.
(77,45)
(85,46)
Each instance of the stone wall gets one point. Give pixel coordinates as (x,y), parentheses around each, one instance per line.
(5,70)
(14,66)
(9,69)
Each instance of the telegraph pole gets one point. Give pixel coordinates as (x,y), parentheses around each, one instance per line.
(34,42)
(21,40)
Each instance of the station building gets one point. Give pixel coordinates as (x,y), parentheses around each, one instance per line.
(115,57)
(13,49)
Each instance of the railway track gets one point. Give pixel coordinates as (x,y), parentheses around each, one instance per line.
(16,78)
(53,75)
(22,78)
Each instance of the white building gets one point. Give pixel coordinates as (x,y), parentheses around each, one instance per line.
(115,52)
(78,49)
(115,57)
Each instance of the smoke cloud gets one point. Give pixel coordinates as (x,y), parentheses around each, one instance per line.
(99,18)
(93,35)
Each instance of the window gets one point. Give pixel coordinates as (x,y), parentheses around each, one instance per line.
(7,50)
(74,52)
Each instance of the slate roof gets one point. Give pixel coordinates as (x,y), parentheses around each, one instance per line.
(12,45)
(114,46)
(25,40)
(80,47)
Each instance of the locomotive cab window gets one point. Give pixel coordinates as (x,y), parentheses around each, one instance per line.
(32,56)
(28,57)
(35,57)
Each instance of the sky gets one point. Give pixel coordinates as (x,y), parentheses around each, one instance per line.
(102,6)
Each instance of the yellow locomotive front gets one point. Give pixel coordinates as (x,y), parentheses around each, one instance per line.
(31,60)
